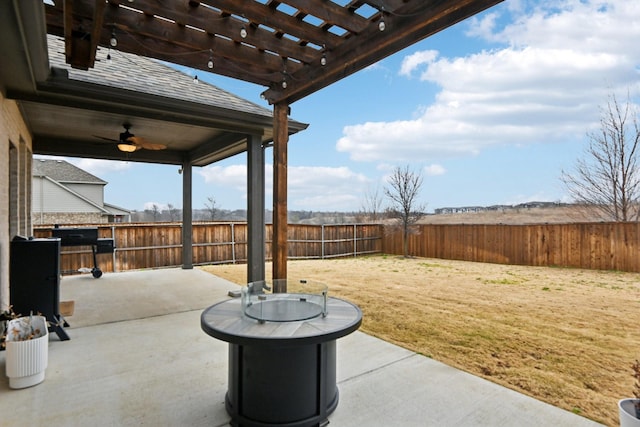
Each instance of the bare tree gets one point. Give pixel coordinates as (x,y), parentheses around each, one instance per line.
(211,209)
(372,205)
(403,190)
(155,212)
(174,214)
(607,178)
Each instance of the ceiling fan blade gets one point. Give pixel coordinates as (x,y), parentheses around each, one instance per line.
(106,139)
(140,142)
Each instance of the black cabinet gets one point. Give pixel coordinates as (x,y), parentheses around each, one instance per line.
(34,282)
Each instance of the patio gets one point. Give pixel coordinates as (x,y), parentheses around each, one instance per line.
(137,356)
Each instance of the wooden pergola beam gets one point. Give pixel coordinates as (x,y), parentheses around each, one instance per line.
(82,36)
(412,22)
(285,39)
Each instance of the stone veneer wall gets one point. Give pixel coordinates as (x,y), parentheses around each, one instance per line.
(15,185)
(68,218)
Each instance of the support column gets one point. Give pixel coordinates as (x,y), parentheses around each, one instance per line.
(187,216)
(280,139)
(255,209)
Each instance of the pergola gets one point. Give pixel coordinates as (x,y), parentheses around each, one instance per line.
(291,48)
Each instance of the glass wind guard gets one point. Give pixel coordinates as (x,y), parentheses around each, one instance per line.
(303,300)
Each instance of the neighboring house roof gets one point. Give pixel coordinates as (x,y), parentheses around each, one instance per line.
(117,210)
(63,171)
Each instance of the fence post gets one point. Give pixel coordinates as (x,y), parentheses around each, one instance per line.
(233,243)
(322,240)
(355,240)
(115,248)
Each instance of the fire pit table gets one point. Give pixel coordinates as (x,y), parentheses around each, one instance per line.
(282,353)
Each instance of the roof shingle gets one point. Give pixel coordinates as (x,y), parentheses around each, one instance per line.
(152,77)
(63,172)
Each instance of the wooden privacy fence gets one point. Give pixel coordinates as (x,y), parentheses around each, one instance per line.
(156,245)
(598,246)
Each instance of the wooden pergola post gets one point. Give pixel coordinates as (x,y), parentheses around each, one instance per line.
(279,250)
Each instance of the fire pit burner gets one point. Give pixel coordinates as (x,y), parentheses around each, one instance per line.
(283,310)
(305,300)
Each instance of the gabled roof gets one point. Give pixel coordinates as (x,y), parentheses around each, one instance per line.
(116,210)
(144,75)
(63,172)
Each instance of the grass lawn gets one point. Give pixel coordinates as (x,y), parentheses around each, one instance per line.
(564,336)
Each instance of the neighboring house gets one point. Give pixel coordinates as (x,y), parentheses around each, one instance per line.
(65,194)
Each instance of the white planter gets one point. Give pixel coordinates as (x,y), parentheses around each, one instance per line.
(627,411)
(27,360)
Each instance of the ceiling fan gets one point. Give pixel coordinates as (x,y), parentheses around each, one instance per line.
(129,143)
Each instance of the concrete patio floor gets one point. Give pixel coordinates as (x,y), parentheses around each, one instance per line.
(137,356)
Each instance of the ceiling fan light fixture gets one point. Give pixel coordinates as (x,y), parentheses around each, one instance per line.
(127,148)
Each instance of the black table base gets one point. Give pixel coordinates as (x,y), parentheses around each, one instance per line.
(281,374)
(292,386)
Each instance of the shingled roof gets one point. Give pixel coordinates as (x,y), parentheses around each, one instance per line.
(152,77)
(64,172)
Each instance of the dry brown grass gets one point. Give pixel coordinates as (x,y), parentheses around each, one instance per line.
(564,336)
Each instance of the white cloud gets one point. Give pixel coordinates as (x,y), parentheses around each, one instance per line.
(99,167)
(483,27)
(309,187)
(435,170)
(234,176)
(559,65)
(325,188)
(161,206)
(411,62)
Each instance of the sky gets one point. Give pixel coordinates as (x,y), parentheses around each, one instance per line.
(489,111)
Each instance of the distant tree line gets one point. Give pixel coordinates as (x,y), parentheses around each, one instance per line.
(171,214)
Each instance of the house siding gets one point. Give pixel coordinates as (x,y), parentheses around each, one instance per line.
(53,198)
(15,186)
(54,205)
(93,192)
